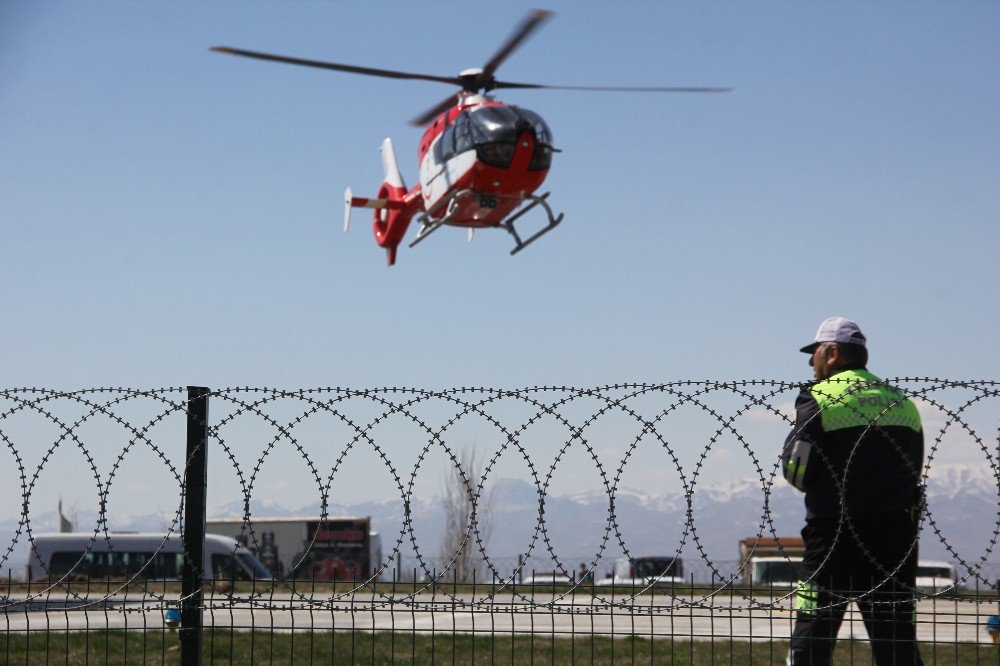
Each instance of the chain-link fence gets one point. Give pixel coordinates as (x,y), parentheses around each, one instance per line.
(638,522)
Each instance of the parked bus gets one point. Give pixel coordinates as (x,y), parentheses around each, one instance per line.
(143,556)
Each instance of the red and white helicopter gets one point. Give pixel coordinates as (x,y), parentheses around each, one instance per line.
(480,159)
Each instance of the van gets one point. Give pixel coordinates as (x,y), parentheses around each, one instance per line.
(546,578)
(143,556)
(645,570)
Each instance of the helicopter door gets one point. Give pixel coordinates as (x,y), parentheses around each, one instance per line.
(449,159)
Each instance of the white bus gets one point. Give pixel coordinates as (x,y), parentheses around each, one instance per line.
(143,556)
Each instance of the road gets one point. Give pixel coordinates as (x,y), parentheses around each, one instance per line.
(684,616)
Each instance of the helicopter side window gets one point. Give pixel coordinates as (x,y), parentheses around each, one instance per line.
(540,128)
(541,159)
(462,130)
(444,147)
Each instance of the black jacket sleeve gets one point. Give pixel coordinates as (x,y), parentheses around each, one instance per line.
(799,457)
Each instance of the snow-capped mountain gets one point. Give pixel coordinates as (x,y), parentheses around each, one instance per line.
(950,480)
(963,502)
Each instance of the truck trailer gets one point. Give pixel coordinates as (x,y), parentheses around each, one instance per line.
(308,547)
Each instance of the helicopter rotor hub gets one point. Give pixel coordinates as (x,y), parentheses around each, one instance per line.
(472,80)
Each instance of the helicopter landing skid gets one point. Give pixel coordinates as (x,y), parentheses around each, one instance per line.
(553,222)
(428,225)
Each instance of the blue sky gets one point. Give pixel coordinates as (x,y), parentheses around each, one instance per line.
(172,216)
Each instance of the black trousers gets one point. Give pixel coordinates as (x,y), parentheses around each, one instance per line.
(874,565)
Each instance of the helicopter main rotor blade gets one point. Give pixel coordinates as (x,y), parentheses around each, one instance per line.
(667,89)
(433,112)
(353,69)
(523,31)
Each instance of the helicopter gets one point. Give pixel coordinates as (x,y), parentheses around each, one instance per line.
(481,161)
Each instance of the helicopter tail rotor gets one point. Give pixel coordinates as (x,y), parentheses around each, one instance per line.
(393,206)
(347,209)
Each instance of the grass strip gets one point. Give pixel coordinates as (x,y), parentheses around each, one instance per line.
(347,648)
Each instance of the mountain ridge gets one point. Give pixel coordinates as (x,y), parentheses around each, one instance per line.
(962,499)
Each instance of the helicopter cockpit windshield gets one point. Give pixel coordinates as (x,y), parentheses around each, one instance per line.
(492,131)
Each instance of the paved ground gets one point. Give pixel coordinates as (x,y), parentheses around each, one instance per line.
(939,620)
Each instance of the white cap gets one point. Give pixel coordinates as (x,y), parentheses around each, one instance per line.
(836,329)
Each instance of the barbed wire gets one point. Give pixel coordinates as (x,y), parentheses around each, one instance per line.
(350,407)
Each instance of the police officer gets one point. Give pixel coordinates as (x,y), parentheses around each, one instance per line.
(856,452)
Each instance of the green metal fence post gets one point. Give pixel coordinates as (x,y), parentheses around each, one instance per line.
(195,486)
